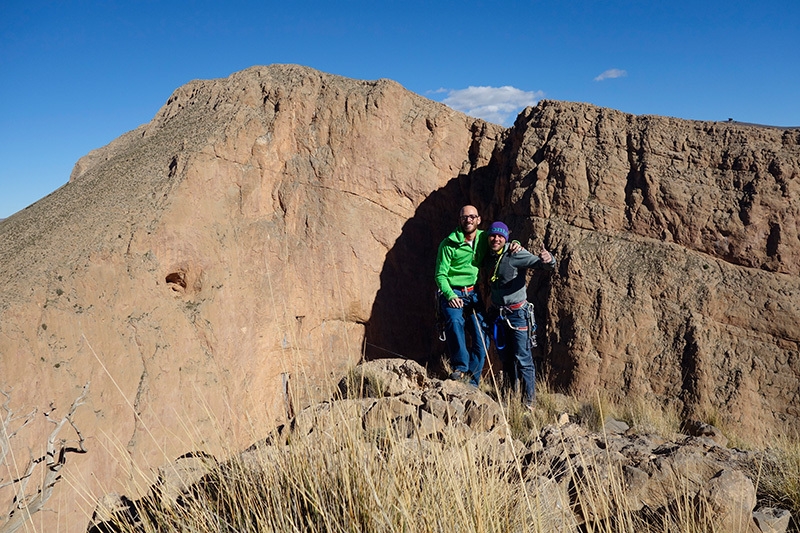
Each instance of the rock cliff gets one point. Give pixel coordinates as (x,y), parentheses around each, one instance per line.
(679,245)
(208,271)
(200,268)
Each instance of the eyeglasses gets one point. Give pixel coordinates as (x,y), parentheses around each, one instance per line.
(469,217)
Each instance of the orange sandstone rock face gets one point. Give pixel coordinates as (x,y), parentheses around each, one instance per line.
(194,266)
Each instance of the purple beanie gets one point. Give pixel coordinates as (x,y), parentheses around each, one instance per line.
(498,228)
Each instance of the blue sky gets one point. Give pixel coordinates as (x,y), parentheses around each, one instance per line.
(77,74)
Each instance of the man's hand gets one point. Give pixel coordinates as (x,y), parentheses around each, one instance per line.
(514,247)
(545,256)
(456,303)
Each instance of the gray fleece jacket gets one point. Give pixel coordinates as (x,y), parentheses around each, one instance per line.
(507,274)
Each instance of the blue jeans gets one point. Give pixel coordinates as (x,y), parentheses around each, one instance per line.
(457,322)
(515,351)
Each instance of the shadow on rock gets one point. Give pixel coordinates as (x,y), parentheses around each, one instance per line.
(403,317)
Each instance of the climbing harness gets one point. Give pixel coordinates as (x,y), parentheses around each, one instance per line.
(438,306)
(502,317)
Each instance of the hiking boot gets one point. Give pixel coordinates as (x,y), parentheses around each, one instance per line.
(463,377)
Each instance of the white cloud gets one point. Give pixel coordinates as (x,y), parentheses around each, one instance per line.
(493,104)
(611,74)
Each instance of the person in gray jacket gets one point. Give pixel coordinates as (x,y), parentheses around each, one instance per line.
(514,324)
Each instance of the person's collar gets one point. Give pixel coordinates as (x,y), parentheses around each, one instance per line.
(463,236)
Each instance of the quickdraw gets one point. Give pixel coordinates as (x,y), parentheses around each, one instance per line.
(439,318)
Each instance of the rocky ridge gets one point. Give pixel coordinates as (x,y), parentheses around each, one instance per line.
(562,465)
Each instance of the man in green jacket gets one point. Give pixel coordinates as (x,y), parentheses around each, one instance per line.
(457,262)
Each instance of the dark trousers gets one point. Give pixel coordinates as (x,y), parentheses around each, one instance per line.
(514,348)
(458,325)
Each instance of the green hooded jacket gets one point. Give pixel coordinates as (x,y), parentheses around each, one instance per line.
(457,262)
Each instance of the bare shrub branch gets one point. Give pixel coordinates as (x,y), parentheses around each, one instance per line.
(27,503)
(8,433)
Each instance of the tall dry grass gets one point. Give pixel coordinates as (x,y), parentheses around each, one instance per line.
(344,479)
